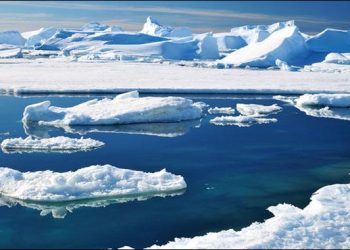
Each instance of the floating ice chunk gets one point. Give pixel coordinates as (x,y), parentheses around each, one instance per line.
(59,210)
(12,38)
(286,44)
(324,223)
(257,110)
(284,66)
(154,28)
(57,144)
(222,110)
(287,99)
(322,100)
(86,183)
(174,129)
(326,112)
(125,109)
(241,121)
(330,40)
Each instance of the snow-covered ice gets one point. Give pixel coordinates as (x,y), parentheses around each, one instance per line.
(241,120)
(221,110)
(330,40)
(86,183)
(57,144)
(322,100)
(257,110)
(154,28)
(324,223)
(125,108)
(10,51)
(12,38)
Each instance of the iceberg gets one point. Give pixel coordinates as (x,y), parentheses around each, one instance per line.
(323,223)
(125,108)
(40,36)
(257,33)
(10,51)
(286,44)
(241,121)
(12,38)
(227,42)
(257,110)
(94,26)
(222,110)
(154,28)
(56,144)
(59,210)
(86,183)
(330,40)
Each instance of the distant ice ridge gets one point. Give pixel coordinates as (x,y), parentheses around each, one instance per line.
(222,110)
(125,108)
(86,183)
(154,28)
(324,223)
(250,114)
(286,44)
(57,144)
(336,106)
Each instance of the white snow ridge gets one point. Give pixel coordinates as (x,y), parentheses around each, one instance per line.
(86,183)
(56,144)
(126,108)
(324,223)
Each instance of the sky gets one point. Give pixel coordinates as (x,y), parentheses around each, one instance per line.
(200,16)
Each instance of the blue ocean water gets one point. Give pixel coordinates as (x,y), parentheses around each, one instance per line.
(233,174)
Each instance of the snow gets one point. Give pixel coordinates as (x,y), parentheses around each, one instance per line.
(57,144)
(241,120)
(154,28)
(47,76)
(321,100)
(330,40)
(286,44)
(222,110)
(86,183)
(257,110)
(323,223)
(12,38)
(126,108)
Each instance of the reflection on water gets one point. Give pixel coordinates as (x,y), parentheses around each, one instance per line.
(154,129)
(59,210)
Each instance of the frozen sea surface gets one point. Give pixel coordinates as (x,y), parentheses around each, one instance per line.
(233,174)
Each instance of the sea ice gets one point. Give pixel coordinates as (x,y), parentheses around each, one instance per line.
(324,223)
(221,110)
(241,121)
(126,108)
(257,110)
(86,183)
(57,144)
(322,100)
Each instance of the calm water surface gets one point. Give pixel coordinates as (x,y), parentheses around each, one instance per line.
(233,174)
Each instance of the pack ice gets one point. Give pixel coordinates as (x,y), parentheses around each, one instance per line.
(86,183)
(125,108)
(57,144)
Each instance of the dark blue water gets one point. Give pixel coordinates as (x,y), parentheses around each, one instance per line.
(233,174)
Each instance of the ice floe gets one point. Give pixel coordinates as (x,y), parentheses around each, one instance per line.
(59,210)
(168,129)
(54,144)
(257,110)
(241,120)
(221,110)
(126,108)
(99,181)
(323,223)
